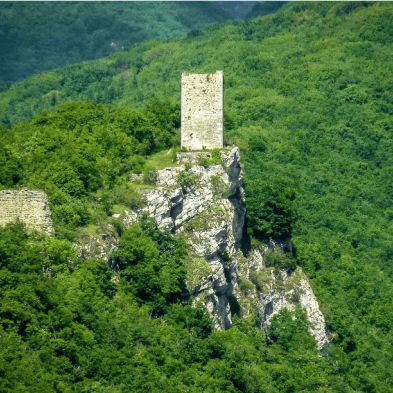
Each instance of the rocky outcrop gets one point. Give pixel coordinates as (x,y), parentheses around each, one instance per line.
(266,290)
(205,206)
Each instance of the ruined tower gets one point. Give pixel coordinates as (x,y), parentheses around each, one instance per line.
(29,206)
(202,110)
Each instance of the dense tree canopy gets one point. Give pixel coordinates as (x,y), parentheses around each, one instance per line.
(308,99)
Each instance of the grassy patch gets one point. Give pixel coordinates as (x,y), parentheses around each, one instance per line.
(197,268)
(261,279)
(246,286)
(159,161)
(140,185)
(202,222)
(280,260)
(90,230)
(118,209)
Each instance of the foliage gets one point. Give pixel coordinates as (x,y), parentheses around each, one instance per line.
(270,205)
(166,118)
(153,273)
(260,278)
(225,256)
(77,155)
(197,268)
(289,331)
(203,161)
(280,260)
(315,137)
(150,177)
(187,179)
(220,188)
(217,158)
(246,286)
(69,327)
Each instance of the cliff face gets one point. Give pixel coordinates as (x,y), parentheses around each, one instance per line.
(205,206)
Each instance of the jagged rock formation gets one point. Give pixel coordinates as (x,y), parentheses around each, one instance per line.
(29,206)
(268,290)
(205,206)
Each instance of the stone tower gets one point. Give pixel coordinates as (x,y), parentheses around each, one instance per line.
(202,110)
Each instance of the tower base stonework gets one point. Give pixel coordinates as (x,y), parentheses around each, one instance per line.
(202,111)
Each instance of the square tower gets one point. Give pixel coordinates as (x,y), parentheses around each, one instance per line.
(202,110)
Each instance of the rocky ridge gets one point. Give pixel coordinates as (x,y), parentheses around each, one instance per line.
(205,206)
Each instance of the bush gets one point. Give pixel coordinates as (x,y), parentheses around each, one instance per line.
(187,179)
(216,158)
(70,214)
(197,268)
(280,260)
(150,178)
(127,197)
(194,33)
(246,286)
(270,207)
(151,265)
(135,163)
(290,330)
(203,161)
(225,257)
(255,279)
(220,188)
(174,152)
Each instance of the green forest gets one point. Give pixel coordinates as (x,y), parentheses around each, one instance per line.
(37,36)
(308,98)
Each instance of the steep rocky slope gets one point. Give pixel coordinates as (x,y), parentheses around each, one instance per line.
(205,205)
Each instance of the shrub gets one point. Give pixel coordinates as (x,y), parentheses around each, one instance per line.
(246,286)
(135,163)
(150,178)
(117,225)
(203,161)
(187,179)
(270,206)
(220,189)
(194,33)
(216,158)
(280,260)
(174,152)
(254,277)
(225,257)
(128,197)
(197,269)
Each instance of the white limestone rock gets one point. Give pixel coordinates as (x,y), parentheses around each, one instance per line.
(209,214)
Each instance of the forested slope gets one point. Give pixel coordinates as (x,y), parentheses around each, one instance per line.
(309,99)
(40,36)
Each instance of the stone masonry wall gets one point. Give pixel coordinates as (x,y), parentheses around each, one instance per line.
(30,206)
(202,110)
(193,157)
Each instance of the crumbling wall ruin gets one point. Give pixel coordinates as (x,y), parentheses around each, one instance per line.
(29,206)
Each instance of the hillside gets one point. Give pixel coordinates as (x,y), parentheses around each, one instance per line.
(42,36)
(309,101)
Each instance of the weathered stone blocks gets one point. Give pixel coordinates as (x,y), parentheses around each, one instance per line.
(29,206)
(202,110)
(193,157)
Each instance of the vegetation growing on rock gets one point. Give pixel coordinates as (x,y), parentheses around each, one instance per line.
(308,101)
